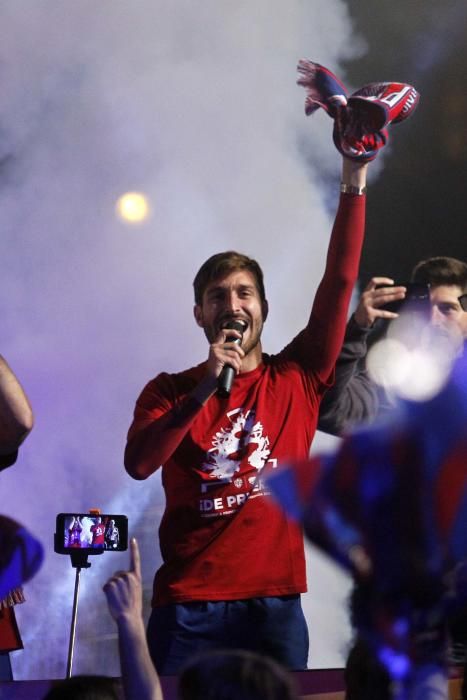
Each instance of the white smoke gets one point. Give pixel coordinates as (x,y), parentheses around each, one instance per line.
(194,104)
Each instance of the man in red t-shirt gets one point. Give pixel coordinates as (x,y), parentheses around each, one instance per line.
(98,532)
(233,566)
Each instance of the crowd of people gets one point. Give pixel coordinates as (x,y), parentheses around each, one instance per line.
(226,613)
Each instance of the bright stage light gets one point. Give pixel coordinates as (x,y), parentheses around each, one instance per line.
(133,207)
(412,371)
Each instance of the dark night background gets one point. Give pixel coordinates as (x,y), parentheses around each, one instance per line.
(417,208)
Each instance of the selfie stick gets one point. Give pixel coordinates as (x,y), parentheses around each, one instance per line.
(79,560)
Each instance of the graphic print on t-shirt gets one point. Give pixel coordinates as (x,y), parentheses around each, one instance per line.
(238,454)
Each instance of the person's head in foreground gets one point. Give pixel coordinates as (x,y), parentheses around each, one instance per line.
(235,675)
(84,688)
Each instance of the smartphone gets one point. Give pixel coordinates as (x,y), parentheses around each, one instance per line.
(417,298)
(91,533)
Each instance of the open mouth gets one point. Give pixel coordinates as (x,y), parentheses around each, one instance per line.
(238,324)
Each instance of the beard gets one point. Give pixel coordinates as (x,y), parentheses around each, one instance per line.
(251,337)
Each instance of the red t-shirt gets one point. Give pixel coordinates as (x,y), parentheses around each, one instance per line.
(98,531)
(222,537)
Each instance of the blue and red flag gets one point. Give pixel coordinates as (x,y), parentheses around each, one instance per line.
(390,506)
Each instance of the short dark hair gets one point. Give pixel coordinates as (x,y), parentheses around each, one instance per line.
(441,271)
(235,675)
(222,264)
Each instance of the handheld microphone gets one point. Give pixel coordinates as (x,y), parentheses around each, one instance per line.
(226,377)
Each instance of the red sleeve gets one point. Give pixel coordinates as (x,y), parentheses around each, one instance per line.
(317,347)
(329,313)
(161,421)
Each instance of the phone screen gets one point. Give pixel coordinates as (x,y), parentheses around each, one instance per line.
(91,533)
(417,298)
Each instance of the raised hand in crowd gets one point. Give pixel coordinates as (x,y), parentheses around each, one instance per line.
(124,595)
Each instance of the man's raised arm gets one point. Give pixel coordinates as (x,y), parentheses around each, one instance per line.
(361,122)
(328,317)
(354,397)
